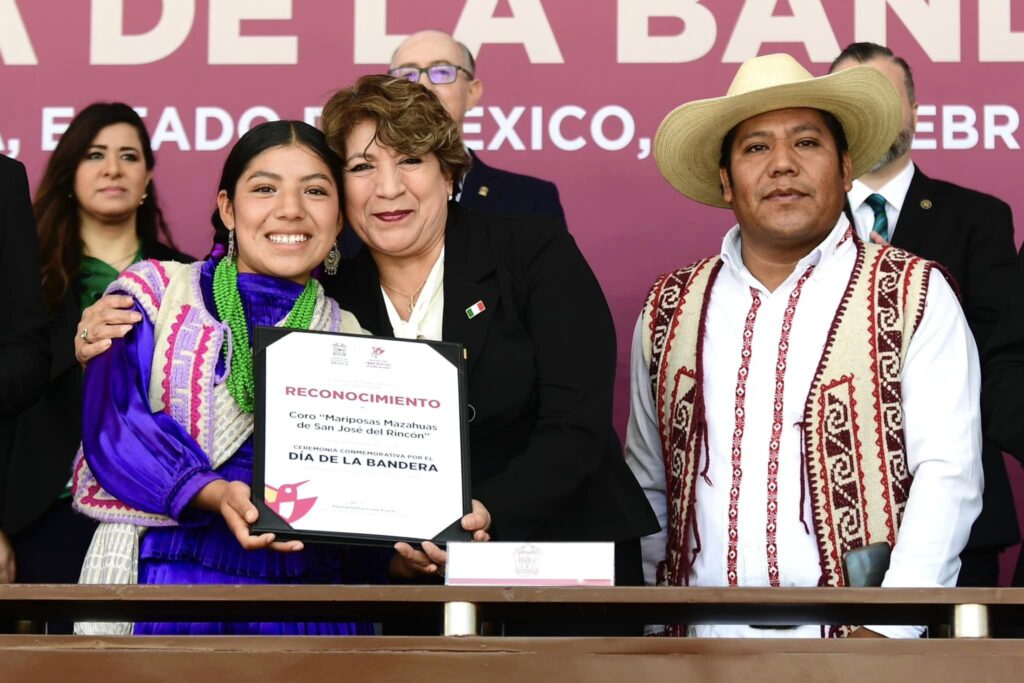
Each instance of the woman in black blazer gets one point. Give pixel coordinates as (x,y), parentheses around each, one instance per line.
(516,292)
(545,460)
(97,213)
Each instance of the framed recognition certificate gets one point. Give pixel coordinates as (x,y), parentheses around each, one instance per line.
(359,439)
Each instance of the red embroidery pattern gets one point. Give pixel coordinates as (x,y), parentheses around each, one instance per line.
(670,295)
(889,266)
(665,303)
(737,438)
(846,236)
(851,503)
(841,446)
(771,528)
(817,464)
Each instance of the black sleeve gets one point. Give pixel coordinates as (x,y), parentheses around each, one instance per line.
(1002,393)
(548,202)
(24,353)
(573,338)
(991,264)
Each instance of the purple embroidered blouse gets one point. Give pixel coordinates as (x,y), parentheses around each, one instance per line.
(151,462)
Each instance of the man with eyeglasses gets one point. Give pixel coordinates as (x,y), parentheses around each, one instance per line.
(448,69)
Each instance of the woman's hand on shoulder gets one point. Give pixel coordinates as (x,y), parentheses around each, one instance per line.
(232,500)
(409,562)
(112,317)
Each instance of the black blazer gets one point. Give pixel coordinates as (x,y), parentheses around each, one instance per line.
(971,235)
(494,191)
(24,360)
(545,459)
(1002,394)
(48,434)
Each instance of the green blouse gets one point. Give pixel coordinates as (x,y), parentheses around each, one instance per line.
(94,278)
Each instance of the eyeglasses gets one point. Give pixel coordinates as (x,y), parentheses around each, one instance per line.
(439,74)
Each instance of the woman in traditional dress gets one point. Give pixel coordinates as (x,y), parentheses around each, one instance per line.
(168,446)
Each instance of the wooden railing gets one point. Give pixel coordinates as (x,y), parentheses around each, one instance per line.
(966,612)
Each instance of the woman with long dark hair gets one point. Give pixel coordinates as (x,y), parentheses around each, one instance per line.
(166,463)
(97,203)
(97,213)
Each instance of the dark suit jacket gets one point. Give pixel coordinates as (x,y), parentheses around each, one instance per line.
(971,235)
(48,434)
(493,191)
(545,459)
(1002,395)
(24,360)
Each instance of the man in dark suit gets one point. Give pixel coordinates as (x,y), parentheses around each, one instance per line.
(24,360)
(484,188)
(971,235)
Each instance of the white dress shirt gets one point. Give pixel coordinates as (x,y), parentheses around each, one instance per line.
(894,192)
(940,388)
(427,314)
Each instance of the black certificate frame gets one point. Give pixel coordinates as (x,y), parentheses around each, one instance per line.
(270,522)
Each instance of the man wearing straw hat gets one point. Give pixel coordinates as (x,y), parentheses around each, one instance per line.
(803,393)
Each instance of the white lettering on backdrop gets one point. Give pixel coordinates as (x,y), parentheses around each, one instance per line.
(15,45)
(568,128)
(936,25)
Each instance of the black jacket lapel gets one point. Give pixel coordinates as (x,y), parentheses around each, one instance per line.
(917,213)
(469,277)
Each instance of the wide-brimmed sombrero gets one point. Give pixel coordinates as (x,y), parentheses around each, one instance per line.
(688,144)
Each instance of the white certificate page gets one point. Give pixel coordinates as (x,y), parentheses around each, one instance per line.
(362,436)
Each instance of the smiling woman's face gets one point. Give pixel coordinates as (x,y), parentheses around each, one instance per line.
(397,204)
(111,179)
(285,213)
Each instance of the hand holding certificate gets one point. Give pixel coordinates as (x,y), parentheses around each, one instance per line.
(408,562)
(233,500)
(360,439)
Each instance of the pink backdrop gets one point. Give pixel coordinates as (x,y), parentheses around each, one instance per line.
(573,88)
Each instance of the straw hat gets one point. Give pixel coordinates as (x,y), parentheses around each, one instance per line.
(688,144)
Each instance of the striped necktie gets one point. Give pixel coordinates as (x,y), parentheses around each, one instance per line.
(881,225)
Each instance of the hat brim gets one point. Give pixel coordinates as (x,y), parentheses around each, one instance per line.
(688,143)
